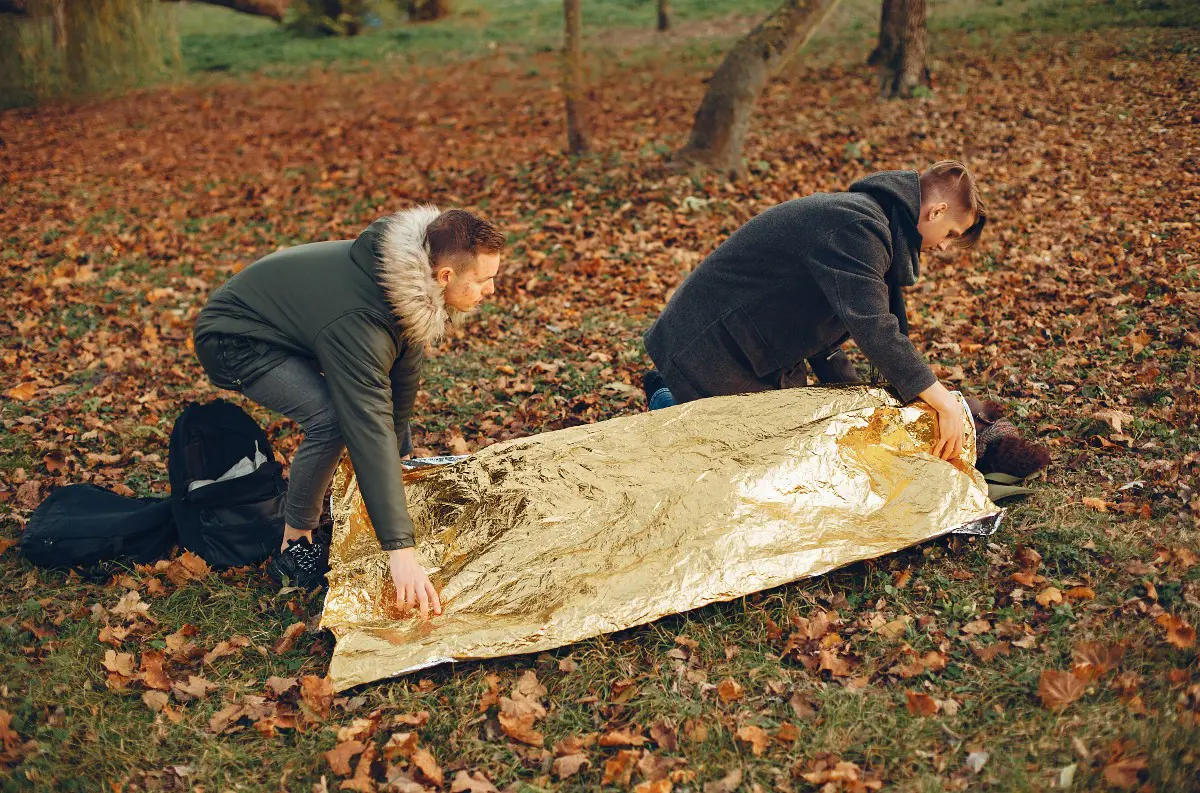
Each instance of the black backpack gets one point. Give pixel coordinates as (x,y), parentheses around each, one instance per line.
(84,527)
(235,521)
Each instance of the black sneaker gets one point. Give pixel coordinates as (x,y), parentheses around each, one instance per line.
(302,564)
(651,382)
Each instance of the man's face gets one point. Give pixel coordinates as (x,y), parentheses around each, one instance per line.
(940,225)
(470,286)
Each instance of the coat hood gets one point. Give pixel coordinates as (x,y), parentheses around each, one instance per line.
(899,193)
(397,251)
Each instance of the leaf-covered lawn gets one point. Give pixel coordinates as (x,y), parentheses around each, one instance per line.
(1058,654)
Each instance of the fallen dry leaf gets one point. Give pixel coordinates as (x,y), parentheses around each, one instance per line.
(663,785)
(156,700)
(1049,597)
(418,719)
(491,693)
(1179,633)
(1059,689)
(517,718)
(1113,418)
(726,784)
(400,745)
(281,685)
(570,764)
(833,663)
(360,729)
(618,770)
(22,392)
(755,736)
(225,717)
(802,707)
(185,568)
(1080,593)
(663,733)
(920,704)
(977,627)
(317,694)
(427,767)
(475,782)
(655,768)
(1123,771)
(226,648)
(787,733)
(152,674)
(1095,659)
(289,638)
(729,690)
(362,781)
(339,757)
(834,773)
(118,663)
(622,737)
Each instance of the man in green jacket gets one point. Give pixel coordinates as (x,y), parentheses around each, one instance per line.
(333,335)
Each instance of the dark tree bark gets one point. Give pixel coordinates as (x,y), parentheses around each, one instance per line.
(578,133)
(428,10)
(724,115)
(887,33)
(900,54)
(263,8)
(664,15)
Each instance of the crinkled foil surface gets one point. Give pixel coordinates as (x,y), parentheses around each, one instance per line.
(542,541)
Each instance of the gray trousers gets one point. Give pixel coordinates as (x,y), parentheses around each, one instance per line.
(296,388)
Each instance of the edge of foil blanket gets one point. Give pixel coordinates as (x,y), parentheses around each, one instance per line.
(364,655)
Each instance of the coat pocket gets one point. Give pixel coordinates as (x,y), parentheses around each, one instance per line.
(749,340)
(729,356)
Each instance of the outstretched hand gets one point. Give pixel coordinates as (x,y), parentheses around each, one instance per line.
(950,434)
(413,587)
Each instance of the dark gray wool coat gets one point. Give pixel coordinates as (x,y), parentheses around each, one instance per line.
(793,282)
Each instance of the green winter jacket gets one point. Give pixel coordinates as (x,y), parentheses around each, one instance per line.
(364,310)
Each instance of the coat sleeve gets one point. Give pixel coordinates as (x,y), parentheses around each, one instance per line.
(406,379)
(849,266)
(357,353)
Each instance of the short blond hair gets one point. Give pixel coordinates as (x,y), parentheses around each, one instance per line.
(953,182)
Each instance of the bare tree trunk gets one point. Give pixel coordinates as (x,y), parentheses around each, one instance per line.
(60,25)
(578,134)
(900,55)
(264,8)
(724,115)
(887,32)
(428,10)
(664,15)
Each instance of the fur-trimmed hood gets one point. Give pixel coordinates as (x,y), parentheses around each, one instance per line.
(405,274)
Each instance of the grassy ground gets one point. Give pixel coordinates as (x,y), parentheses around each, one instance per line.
(119,216)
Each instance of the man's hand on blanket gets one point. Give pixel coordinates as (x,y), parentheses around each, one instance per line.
(413,588)
(951,428)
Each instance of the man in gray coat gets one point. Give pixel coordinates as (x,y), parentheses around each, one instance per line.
(795,282)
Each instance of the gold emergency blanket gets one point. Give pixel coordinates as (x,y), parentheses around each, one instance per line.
(542,541)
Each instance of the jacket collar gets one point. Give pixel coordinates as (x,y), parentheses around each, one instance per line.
(405,274)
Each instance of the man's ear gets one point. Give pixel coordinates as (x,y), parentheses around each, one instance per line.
(443,274)
(935,211)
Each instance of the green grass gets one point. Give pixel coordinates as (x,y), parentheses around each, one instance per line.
(91,738)
(218,40)
(62,702)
